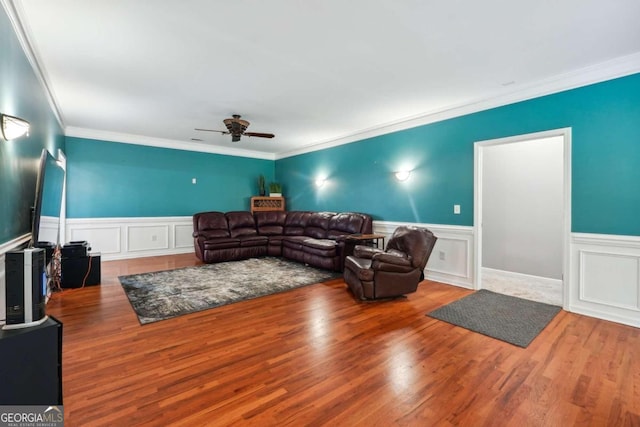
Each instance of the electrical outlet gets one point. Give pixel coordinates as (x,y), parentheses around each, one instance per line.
(193,180)
(154,238)
(456,209)
(442,255)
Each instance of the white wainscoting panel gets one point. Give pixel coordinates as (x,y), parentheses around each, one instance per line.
(183,235)
(120,238)
(102,238)
(605,279)
(147,237)
(452,258)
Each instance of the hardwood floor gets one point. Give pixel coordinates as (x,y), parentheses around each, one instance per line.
(315,356)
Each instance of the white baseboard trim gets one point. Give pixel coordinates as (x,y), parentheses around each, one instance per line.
(124,238)
(605,277)
(451,261)
(536,288)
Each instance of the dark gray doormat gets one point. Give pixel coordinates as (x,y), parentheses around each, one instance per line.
(514,320)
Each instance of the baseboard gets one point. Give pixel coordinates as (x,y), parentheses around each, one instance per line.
(542,289)
(606,315)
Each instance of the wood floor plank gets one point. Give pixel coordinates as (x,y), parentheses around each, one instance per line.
(315,356)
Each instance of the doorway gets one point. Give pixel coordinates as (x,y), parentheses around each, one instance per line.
(522,215)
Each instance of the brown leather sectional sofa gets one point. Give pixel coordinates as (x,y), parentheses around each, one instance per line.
(315,238)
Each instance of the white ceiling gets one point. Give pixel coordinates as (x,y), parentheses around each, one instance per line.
(312,72)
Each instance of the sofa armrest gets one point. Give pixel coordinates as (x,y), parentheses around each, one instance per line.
(367,252)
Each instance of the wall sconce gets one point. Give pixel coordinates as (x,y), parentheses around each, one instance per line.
(320,182)
(13,127)
(403,175)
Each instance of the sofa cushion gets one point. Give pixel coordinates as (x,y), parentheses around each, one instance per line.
(275,240)
(318,224)
(324,247)
(293,242)
(270,223)
(295,223)
(325,244)
(210,225)
(241,223)
(345,223)
(221,243)
(253,240)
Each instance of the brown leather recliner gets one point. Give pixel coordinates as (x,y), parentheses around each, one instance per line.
(372,273)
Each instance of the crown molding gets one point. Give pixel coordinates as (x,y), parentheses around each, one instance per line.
(163,143)
(615,68)
(14,12)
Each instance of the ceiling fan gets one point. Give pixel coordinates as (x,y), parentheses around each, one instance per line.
(236,127)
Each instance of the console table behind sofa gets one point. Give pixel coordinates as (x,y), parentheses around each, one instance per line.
(315,238)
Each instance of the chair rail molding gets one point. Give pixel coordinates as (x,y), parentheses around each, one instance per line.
(121,238)
(451,261)
(605,279)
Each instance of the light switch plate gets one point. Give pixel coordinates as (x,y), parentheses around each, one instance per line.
(456,209)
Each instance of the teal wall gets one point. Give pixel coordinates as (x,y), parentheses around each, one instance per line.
(605,122)
(21,95)
(109,179)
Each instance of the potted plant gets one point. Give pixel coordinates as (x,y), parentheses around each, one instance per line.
(275,190)
(261,186)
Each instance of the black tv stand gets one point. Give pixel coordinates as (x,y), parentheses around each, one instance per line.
(31,365)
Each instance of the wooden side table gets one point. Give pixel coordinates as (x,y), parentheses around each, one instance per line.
(373,239)
(352,240)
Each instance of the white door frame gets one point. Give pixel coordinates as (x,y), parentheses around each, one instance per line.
(478,149)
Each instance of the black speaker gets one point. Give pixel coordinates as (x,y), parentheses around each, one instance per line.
(26,287)
(80,270)
(76,249)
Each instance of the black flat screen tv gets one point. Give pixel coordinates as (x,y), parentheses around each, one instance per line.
(48,202)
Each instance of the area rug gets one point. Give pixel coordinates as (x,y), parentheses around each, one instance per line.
(514,320)
(166,294)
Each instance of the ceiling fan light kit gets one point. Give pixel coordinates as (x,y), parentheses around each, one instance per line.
(237,127)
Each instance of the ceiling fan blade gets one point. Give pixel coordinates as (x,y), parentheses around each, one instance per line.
(224,132)
(259,134)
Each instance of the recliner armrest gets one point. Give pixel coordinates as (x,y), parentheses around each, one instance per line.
(195,234)
(367,252)
(392,258)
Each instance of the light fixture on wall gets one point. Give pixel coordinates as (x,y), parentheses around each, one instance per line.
(403,175)
(13,127)
(320,182)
